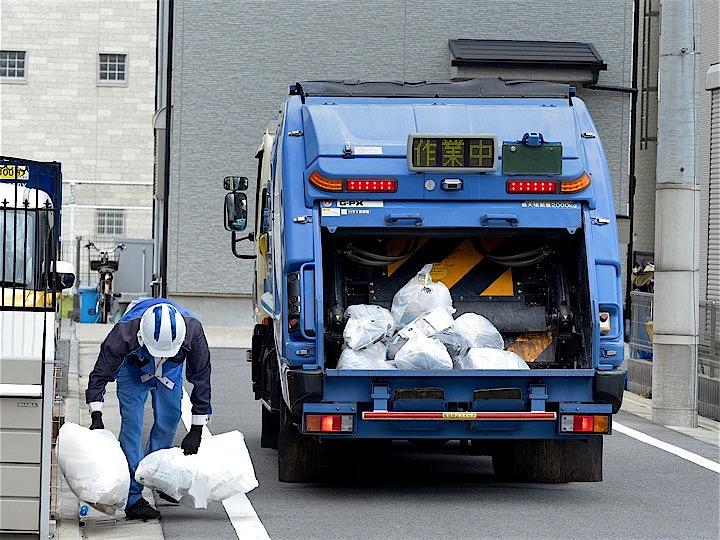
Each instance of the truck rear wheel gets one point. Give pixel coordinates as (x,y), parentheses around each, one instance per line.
(549,461)
(299,456)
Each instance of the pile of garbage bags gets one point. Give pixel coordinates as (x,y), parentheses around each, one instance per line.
(419,332)
(221,469)
(94,466)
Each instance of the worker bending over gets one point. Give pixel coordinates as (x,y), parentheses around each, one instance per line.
(144,353)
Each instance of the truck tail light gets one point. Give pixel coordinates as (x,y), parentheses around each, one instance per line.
(573,186)
(325,184)
(531,186)
(329,423)
(353,185)
(584,423)
(371,184)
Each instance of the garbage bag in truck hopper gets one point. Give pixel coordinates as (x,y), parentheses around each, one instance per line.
(428,324)
(418,296)
(489,358)
(371,357)
(367,325)
(421,352)
(478,331)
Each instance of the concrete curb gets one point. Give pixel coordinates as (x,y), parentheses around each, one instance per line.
(708,430)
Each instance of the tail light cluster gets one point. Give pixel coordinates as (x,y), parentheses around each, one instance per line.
(585,423)
(356,185)
(548,186)
(329,423)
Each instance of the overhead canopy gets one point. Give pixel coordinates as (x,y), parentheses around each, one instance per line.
(551,55)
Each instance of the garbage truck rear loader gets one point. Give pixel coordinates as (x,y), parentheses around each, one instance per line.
(498,190)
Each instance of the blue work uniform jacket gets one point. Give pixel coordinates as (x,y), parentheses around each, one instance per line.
(122,346)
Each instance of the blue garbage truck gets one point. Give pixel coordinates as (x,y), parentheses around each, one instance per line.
(503,188)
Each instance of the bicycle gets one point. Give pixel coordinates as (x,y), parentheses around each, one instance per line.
(105,267)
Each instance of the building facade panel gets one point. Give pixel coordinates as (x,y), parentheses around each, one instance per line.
(233,64)
(61,113)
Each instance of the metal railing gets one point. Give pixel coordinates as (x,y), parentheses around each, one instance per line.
(29,251)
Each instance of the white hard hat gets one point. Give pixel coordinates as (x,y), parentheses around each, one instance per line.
(162,330)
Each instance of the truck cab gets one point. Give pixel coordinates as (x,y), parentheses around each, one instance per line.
(503,189)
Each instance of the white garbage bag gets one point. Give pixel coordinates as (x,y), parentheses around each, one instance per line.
(94,466)
(421,352)
(455,342)
(366,325)
(429,324)
(478,331)
(371,357)
(490,358)
(221,468)
(418,296)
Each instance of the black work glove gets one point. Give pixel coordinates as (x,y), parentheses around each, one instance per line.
(191,442)
(97,422)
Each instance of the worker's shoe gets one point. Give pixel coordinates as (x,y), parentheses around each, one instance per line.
(141,510)
(168,498)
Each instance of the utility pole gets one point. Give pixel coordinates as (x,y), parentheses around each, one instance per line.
(675,312)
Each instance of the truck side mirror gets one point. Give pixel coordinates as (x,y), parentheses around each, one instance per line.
(236,211)
(235,183)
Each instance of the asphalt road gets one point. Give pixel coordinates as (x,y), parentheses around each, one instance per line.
(407,493)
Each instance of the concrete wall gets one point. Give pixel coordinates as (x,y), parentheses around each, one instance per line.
(233,63)
(98,133)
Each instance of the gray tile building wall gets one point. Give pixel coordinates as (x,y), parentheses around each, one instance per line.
(233,63)
(708,46)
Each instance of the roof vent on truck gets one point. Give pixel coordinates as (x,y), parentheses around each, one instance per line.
(483,87)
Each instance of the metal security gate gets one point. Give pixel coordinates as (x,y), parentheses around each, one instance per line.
(29,288)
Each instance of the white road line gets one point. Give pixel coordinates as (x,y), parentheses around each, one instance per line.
(242,515)
(667,447)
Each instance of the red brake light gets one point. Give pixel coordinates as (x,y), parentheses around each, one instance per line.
(371,184)
(531,186)
(583,424)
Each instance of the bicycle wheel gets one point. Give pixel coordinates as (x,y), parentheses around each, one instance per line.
(107,304)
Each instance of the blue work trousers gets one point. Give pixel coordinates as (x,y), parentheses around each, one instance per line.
(132,394)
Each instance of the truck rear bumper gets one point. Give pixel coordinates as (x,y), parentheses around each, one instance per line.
(455,404)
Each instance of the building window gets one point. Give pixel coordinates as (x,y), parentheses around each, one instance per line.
(112,69)
(110,222)
(12,65)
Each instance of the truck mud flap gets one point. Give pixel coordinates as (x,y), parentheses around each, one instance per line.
(303,387)
(549,461)
(608,387)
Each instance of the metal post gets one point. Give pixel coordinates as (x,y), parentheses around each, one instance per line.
(676,317)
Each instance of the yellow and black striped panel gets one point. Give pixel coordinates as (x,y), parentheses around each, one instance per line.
(534,346)
(459,265)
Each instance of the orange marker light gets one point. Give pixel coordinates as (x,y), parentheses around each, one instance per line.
(574,186)
(325,184)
